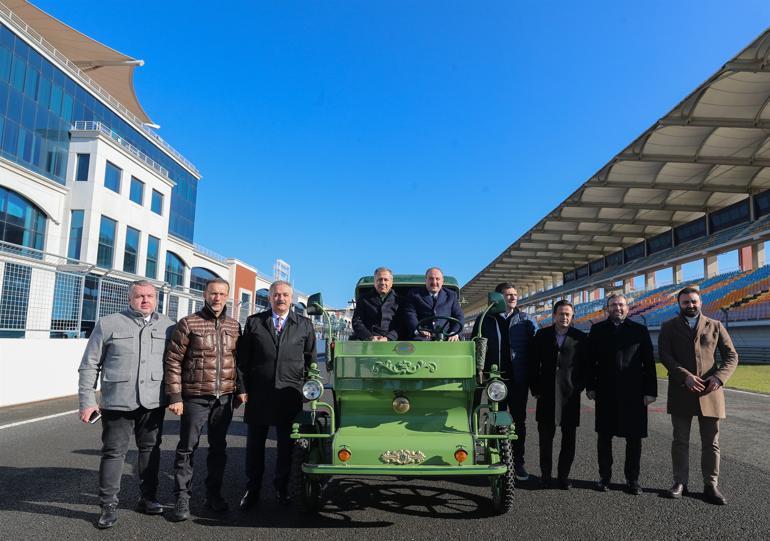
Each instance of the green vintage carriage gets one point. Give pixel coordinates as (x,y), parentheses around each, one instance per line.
(404,409)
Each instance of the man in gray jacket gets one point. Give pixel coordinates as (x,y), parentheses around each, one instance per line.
(125,352)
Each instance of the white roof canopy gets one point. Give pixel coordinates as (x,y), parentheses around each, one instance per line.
(711,150)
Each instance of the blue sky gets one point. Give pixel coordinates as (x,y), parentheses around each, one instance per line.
(344,135)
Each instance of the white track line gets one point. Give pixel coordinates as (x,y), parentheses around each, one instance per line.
(36,419)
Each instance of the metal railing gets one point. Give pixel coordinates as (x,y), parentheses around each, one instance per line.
(31,34)
(91,125)
(211,254)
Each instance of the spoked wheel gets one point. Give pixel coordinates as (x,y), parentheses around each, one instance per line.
(503,485)
(306,490)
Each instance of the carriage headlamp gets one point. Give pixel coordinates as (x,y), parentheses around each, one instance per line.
(497,391)
(312,389)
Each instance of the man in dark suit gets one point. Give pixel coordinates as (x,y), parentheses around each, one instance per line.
(623,383)
(274,352)
(374,316)
(509,337)
(432,300)
(557,367)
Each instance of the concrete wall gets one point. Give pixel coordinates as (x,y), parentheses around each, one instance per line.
(38,369)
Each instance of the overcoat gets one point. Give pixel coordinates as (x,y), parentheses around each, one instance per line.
(272,367)
(557,375)
(622,374)
(684,351)
(375,316)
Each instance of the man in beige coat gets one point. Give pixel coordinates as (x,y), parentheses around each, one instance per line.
(687,345)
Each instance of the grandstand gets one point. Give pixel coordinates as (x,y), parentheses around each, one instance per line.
(693,186)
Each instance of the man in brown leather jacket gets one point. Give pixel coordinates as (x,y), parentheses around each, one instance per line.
(203,387)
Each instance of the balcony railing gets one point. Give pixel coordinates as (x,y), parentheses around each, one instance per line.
(90,125)
(46,45)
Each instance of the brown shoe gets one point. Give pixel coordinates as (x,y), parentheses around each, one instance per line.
(712,495)
(677,491)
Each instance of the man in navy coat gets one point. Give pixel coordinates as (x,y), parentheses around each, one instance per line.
(432,300)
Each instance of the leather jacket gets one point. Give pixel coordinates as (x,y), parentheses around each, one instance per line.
(200,360)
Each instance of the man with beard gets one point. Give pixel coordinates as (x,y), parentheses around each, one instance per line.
(374,316)
(557,369)
(687,345)
(623,383)
(509,336)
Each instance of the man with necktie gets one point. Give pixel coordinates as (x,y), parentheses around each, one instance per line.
(429,301)
(274,353)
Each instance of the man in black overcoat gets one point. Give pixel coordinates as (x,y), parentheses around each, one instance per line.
(557,371)
(623,383)
(274,353)
(374,318)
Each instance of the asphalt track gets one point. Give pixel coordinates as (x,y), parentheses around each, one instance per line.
(48,480)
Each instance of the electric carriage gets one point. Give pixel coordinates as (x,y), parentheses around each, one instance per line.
(404,409)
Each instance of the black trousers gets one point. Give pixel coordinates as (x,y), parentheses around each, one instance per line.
(633,457)
(546,434)
(117,426)
(198,412)
(517,406)
(255,456)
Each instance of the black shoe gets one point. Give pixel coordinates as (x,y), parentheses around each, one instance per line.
(216,503)
(149,506)
(283,498)
(545,481)
(250,499)
(633,487)
(181,510)
(712,495)
(677,491)
(564,483)
(108,516)
(603,485)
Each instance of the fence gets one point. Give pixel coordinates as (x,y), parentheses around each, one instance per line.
(47,296)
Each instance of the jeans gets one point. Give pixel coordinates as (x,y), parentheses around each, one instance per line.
(199,411)
(147,426)
(517,406)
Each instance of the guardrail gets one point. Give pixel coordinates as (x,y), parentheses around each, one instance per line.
(31,34)
(92,125)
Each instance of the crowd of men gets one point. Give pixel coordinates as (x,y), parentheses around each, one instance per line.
(205,366)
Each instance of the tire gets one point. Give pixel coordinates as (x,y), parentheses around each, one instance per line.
(503,485)
(306,491)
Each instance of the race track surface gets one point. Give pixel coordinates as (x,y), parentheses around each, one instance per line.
(48,486)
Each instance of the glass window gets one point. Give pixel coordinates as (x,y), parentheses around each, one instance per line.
(112,175)
(157,202)
(83,162)
(614,259)
(581,272)
(659,243)
(762,203)
(153,248)
(635,252)
(132,250)
(199,276)
(76,234)
(174,269)
(597,266)
(21,222)
(690,231)
(735,214)
(568,277)
(106,242)
(137,191)
(261,300)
